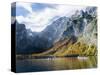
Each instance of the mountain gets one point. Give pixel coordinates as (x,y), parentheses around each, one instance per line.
(28,41)
(61,37)
(79,37)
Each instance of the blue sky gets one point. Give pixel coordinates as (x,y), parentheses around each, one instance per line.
(39,7)
(36,7)
(21,11)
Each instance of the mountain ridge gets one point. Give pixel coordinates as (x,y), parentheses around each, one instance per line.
(60,29)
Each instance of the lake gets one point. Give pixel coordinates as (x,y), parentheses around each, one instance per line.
(50,64)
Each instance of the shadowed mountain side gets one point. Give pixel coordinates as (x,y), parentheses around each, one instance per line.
(28,41)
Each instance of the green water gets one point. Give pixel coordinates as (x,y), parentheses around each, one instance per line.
(48,64)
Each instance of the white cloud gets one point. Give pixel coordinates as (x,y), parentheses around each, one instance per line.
(68,10)
(38,21)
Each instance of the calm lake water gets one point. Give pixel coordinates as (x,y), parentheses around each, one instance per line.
(48,64)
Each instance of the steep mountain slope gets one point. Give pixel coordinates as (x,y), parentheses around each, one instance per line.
(80,27)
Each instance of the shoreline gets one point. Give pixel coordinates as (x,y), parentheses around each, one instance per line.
(40,57)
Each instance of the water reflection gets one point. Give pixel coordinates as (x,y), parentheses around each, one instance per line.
(55,64)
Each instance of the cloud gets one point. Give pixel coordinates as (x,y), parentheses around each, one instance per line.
(68,10)
(38,21)
(25,5)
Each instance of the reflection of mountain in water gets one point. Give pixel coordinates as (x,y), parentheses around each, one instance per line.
(62,36)
(55,64)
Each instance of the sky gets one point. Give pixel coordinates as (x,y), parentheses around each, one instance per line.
(37,16)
